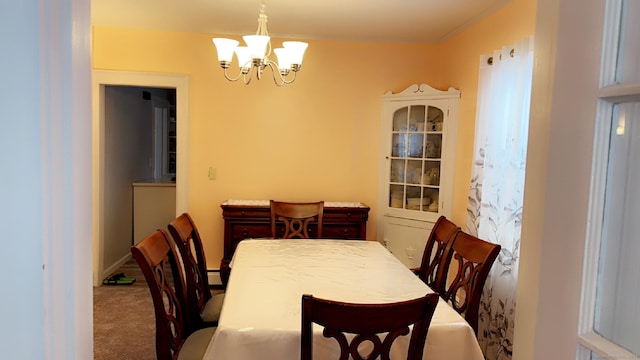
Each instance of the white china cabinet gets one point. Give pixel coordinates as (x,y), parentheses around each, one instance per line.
(419,127)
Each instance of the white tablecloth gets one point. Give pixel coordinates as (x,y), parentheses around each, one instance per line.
(261,315)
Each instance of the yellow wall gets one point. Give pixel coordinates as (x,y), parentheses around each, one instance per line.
(314,139)
(317,138)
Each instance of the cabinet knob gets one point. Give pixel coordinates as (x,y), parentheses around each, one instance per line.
(245,233)
(242,212)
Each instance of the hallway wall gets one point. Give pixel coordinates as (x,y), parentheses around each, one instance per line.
(128,148)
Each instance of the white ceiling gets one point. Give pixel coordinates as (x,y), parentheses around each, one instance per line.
(359,20)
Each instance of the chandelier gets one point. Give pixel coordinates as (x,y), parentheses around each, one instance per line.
(254,57)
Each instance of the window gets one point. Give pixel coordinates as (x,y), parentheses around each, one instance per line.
(610,312)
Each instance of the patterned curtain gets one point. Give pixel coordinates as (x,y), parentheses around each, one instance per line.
(494,211)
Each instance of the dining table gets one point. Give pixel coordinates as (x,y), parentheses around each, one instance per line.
(261,314)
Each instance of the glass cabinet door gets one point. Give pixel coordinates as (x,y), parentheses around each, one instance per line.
(416,148)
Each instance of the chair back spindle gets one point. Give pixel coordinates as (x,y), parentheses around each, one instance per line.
(378,324)
(203,308)
(296,218)
(471,258)
(158,261)
(432,271)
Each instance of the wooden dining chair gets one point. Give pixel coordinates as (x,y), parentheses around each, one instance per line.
(378,324)
(431,271)
(296,218)
(203,307)
(471,259)
(159,263)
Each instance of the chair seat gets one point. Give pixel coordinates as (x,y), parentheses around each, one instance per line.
(211,310)
(196,344)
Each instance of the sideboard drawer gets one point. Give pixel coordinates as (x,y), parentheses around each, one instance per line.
(240,231)
(343,215)
(341,231)
(246,212)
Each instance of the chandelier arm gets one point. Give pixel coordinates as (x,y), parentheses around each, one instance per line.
(260,68)
(274,71)
(283,78)
(293,79)
(246,78)
(226,75)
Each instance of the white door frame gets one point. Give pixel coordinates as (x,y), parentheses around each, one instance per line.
(100,79)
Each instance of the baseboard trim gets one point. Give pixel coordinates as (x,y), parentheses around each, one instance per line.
(213,275)
(108,271)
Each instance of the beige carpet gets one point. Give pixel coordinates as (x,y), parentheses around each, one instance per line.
(123,319)
(124,325)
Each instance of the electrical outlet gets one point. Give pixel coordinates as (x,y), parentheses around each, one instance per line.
(213,172)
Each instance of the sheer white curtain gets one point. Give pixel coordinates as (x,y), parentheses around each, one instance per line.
(494,211)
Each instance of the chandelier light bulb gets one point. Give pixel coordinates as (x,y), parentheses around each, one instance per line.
(297,49)
(225,49)
(244,58)
(284,60)
(257,44)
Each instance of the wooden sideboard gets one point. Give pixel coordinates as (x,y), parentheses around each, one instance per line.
(245,219)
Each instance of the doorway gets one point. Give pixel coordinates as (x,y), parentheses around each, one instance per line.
(105,258)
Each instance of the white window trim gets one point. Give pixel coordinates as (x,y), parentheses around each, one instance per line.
(596,212)
(587,337)
(609,94)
